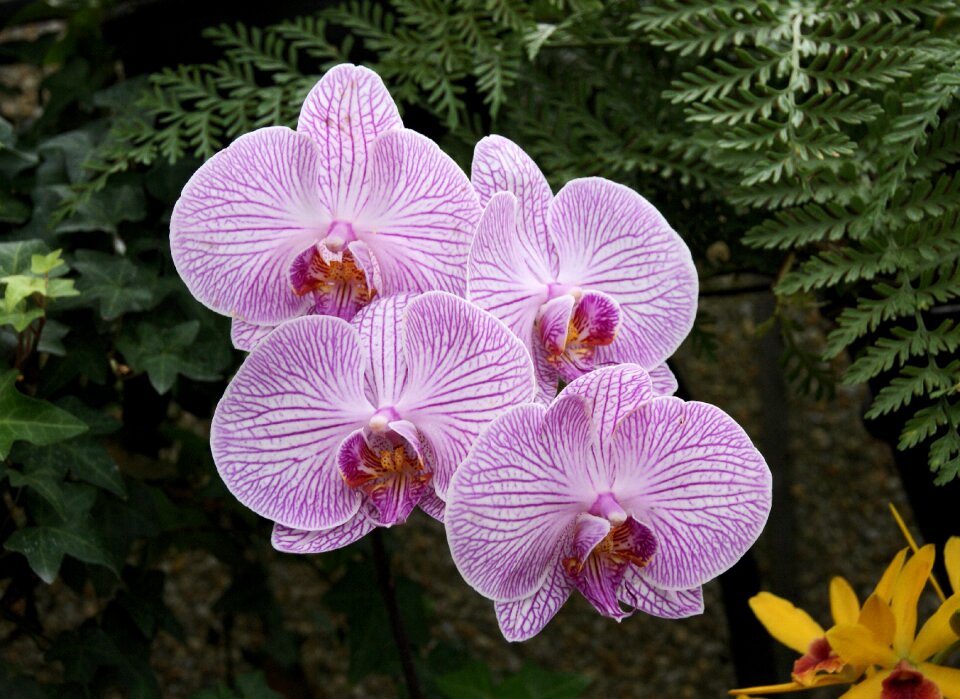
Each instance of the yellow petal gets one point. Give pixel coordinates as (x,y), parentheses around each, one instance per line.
(844,605)
(823,681)
(906,594)
(951,558)
(936,634)
(791,626)
(857,645)
(768,689)
(947,679)
(885,586)
(877,616)
(870,688)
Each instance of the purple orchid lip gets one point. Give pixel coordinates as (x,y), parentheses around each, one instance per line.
(533,250)
(328,422)
(630,498)
(321,220)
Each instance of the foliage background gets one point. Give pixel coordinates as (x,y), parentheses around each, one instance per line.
(806,145)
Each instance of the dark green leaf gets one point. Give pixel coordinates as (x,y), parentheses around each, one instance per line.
(31,420)
(44,481)
(116,282)
(86,458)
(166,352)
(45,545)
(15,257)
(472,681)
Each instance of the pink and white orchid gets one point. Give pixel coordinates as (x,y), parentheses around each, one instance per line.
(321,220)
(591,277)
(332,428)
(629,498)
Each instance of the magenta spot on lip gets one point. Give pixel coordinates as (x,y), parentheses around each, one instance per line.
(388,412)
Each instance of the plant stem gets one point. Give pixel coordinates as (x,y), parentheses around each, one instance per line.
(387,589)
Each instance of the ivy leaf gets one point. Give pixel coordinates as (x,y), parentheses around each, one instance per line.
(166,352)
(31,420)
(116,282)
(44,481)
(473,681)
(533,682)
(15,257)
(46,545)
(20,287)
(45,264)
(87,459)
(20,319)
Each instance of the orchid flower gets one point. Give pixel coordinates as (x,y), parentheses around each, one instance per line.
(631,499)
(321,220)
(590,277)
(332,428)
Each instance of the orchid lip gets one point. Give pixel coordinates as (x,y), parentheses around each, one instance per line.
(339,234)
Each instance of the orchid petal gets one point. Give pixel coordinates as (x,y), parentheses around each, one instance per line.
(433,505)
(877,617)
(525,618)
(242,219)
(506,272)
(951,560)
(947,679)
(884,588)
(589,531)
(869,688)
(554,323)
(379,325)
(636,591)
(303,541)
(936,633)
(844,606)
(611,239)
(787,623)
(500,165)
(663,381)
(246,336)
(343,114)
(510,508)
(421,215)
(906,594)
(464,368)
(277,428)
(857,645)
(691,472)
(613,393)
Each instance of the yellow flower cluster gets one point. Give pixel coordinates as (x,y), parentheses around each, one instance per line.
(874,648)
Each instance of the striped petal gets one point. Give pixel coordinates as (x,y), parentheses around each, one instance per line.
(464,369)
(637,592)
(246,336)
(611,239)
(380,328)
(303,541)
(690,472)
(663,380)
(525,618)
(613,392)
(276,431)
(242,219)
(510,507)
(421,215)
(507,273)
(343,114)
(500,165)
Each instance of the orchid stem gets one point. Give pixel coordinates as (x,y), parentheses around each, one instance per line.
(387,589)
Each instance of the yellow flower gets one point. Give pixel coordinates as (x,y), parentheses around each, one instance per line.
(881,634)
(885,637)
(818,665)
